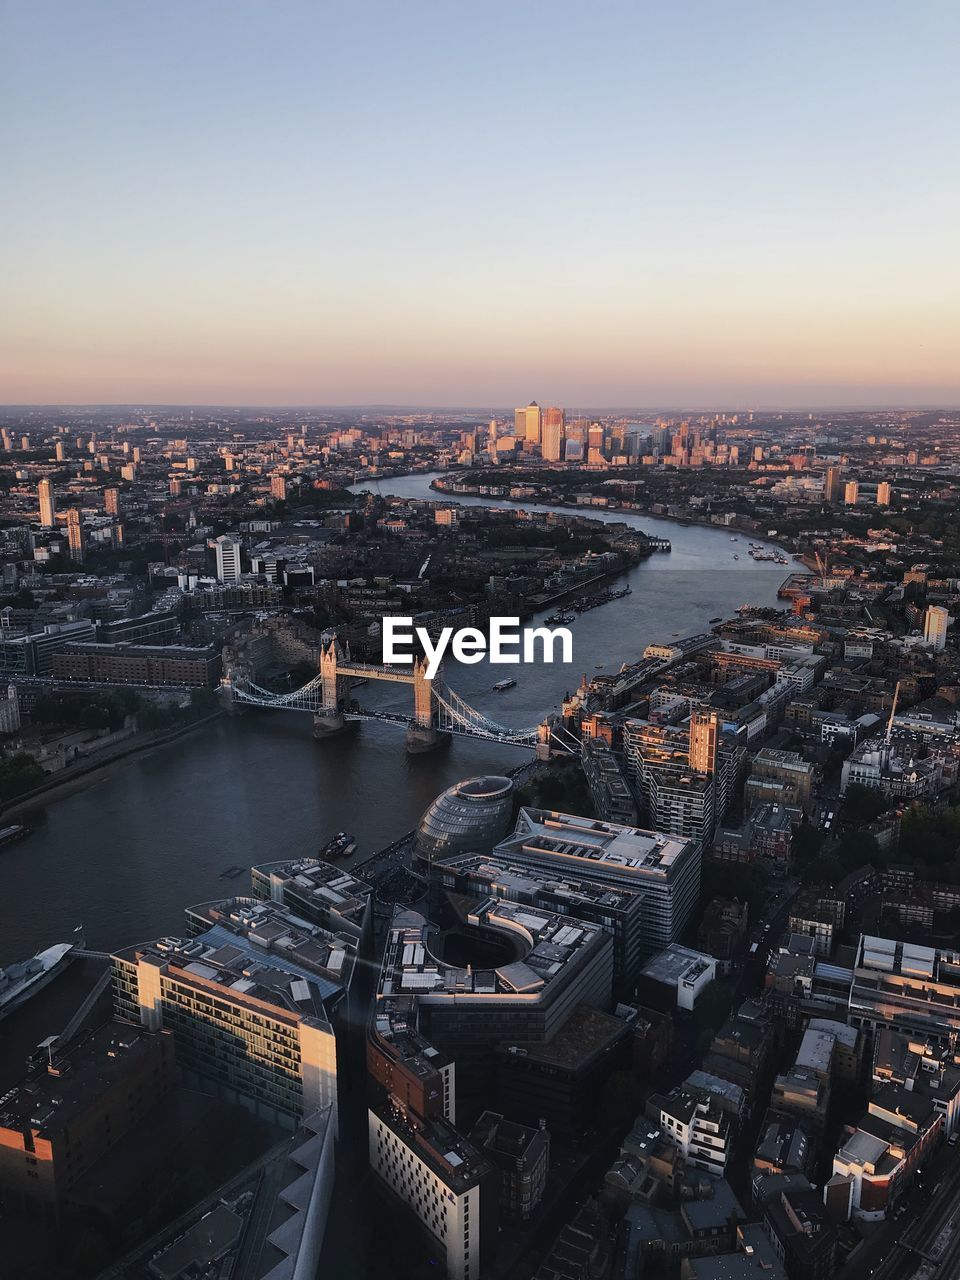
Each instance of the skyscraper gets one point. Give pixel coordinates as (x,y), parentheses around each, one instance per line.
(883,493)
(595,443)
(935,623)
(533,417)
(228,559)
(851,493)
(75,536)
(552,447)
(831,484)
(48,505)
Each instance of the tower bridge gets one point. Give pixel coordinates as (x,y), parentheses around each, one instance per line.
(438,711)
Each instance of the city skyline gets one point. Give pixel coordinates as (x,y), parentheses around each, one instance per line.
(425,206)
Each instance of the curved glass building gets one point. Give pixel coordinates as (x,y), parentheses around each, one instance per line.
(469,817)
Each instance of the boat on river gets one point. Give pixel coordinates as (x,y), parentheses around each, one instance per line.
(24,978)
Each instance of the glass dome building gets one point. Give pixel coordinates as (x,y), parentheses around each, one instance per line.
(469,817)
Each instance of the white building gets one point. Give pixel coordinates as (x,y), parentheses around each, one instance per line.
(935,624)
(699,1130)
(441,1177)
(685,973)
(228,558)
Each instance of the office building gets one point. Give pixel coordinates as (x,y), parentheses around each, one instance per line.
(544,966)
(249,1002)
(533,423)
(618,910)
(77,1100)
(935,623)
(663,868)
(552,448)
(48,505)
(228,559)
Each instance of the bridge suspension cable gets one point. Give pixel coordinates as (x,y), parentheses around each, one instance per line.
(453,714)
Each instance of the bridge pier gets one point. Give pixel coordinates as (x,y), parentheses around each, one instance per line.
(328,724)
(422,738)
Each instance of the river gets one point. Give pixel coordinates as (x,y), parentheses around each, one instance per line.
(154,833)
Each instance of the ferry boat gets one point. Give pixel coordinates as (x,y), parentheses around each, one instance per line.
(502,685)
(341,846)
(24,978)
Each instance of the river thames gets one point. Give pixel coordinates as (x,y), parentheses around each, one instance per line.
(154,833)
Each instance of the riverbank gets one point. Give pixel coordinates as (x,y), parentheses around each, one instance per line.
(75,777)
(587,511)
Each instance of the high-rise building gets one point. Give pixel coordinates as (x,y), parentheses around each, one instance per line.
(533,423)
(48,504)
(595,444)
(111,501)
(75,538)
(935,623)
(831,484)
(58,451)
(552,446)
(228,558)
(851,493)
(883,493)
(704,738)
(278,488)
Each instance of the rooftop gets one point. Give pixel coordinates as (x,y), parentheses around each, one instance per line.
(65,1082)
(647,854)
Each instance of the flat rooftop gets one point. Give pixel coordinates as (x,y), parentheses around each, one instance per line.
(62,1087)
(585,1033)
(551,942)
(633,850)
(329,886)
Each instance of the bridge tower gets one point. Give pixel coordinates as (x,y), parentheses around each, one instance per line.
(422,732)
(329,719)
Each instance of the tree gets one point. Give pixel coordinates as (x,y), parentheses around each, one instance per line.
(863,804)
(19,773)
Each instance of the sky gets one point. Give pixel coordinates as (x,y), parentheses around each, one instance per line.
(719,203)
